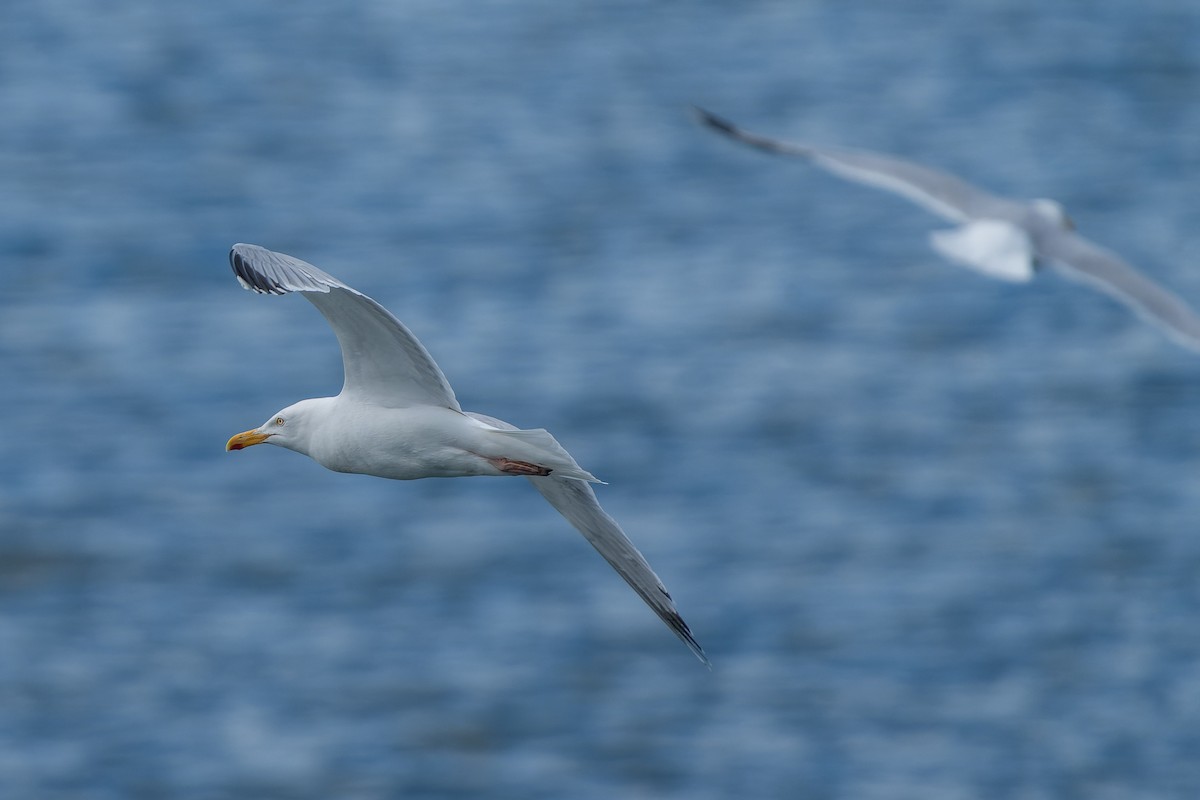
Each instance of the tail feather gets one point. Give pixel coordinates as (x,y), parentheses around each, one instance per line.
(537,446)
(994,247)
(550,453)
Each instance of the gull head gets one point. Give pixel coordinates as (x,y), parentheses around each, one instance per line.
(1053,212)
(290,428)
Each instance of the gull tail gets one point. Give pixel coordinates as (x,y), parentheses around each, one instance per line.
(550,454)
(994,247)
(537,446)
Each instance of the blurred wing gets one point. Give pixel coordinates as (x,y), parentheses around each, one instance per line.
(1084,261)
(383,361)
(576,501)
(938,192)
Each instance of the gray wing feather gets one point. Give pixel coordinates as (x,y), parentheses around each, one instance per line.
(576,501)
(936,191)
(384,363)
(1084,261)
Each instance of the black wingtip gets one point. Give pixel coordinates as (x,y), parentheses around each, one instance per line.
(698,651)
(682,630)
(249,277)
(713,121)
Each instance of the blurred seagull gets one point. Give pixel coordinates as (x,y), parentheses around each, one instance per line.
(1002,238)
(397,417)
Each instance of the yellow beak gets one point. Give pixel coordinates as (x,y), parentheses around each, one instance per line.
(246,439)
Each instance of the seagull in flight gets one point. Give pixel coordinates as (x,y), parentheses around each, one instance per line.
(1005,239)
(397,417)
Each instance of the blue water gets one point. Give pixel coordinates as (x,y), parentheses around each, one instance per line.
(937,533)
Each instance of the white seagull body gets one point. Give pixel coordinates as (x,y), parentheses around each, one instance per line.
(397,417)
(1002,238)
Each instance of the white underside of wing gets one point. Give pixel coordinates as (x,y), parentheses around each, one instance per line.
(993,247)
(384,362)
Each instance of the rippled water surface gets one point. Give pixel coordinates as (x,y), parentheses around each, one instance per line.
(937,533)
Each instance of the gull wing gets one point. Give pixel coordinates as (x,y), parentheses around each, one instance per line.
(935,191)
(576,501)
(1084,261)
(383,361)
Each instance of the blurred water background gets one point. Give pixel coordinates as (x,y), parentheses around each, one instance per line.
(937,533)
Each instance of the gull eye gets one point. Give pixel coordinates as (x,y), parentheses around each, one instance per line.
(279,420)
